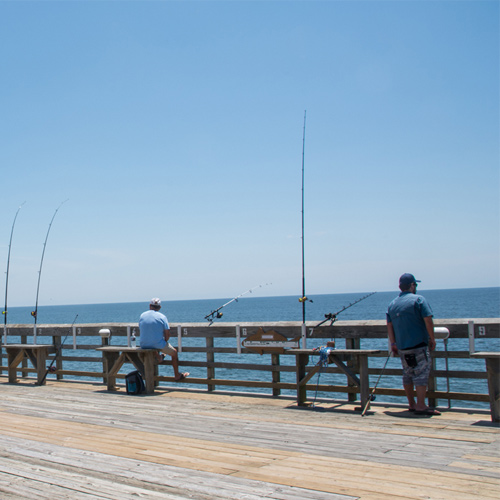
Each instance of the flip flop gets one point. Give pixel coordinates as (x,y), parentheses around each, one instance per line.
(411,410)
(160,358)
(429,412)
(182,376)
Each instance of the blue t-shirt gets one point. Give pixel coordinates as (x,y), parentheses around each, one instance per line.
(152,325)
(406,313)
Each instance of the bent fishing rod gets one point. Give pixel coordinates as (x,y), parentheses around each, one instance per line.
(7,272)
(216,314)
(333,316)
(35,312)
(58,350)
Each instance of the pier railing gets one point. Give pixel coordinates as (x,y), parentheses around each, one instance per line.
(216,359)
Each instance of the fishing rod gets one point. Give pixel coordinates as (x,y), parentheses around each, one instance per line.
(49,369)
(35,312)
(333,316)
(303,299)
(7,272)
(371,397)
(216,314)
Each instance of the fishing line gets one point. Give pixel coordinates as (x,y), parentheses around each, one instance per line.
(35,312)
(49,369)
(7,274)
(324,352)
(371,397)
(216,314)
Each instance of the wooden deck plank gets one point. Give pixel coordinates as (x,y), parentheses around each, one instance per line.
(243,445)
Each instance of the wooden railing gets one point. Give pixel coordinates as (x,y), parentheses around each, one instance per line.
(216,348)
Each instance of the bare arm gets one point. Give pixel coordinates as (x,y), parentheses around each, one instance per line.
(166,334)
(392,337)
(429,325)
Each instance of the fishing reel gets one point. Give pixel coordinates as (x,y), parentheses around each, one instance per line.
(304,299)
(210,317)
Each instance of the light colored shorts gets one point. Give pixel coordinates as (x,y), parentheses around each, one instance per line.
(417,365)
(169,349)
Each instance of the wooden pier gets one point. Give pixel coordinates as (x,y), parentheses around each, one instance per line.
(68,440)
(217,359)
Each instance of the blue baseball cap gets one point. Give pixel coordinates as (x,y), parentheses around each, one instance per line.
(407,279)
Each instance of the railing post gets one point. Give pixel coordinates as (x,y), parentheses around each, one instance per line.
(58,354)
(275,361)
(24,363)
(210,361)
(351,343)
(432,383)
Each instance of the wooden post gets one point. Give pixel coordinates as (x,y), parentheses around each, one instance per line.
(58,347)
(353,365)
(24,364)
(105,367)
(150,369)
(493,371)
(302,360)
(275,361)
(364,380)
(210,360)
(432,383)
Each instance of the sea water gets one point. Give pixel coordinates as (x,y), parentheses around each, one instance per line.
(446,304)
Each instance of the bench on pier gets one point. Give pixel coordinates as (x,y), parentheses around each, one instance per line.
(36,353)
(492,360)
(336,356)
(144,361)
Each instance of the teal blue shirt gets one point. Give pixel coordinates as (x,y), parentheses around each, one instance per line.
(406,313)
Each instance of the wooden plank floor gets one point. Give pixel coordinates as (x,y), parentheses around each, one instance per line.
(78,441)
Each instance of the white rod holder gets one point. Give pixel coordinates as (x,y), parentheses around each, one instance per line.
(303,330)
(179,338)
(472,347)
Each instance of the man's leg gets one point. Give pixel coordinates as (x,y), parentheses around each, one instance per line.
(421,393)
(410,394)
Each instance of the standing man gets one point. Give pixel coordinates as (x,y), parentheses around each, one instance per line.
(411,334)
(155,333)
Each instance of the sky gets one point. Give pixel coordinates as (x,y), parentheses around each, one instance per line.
(175,131)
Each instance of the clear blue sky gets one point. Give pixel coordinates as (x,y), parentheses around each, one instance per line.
(175,130)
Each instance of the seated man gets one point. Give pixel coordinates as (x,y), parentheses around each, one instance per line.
(155,333)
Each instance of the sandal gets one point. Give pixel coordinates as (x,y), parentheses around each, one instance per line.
(428,412)
(182,376)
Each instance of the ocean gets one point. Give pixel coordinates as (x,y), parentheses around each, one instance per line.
(446,304)
(453,303)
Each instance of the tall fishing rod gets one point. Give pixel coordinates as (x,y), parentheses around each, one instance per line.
(49,369)
(35,312)
(303,299)
(333,316)
(7,272)
(216,314)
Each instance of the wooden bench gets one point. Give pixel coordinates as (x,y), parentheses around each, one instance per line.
(36,353)
(492,360)
(144,361)
(336,356)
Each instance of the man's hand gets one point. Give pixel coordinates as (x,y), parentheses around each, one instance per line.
(432,344)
